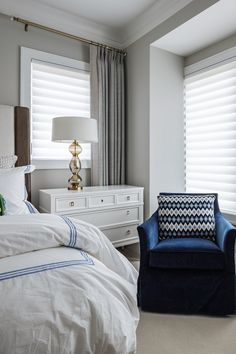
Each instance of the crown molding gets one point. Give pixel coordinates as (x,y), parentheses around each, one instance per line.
(147,21)
(60,20)
(67,22)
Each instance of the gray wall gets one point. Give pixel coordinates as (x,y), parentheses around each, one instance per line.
(12,37)
(166,136)
(138,98)
(138,117)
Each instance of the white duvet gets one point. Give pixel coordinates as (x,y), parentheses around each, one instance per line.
(64,289)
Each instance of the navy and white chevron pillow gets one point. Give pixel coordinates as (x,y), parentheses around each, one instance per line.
(187,215)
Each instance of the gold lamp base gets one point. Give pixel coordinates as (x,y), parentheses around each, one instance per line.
(75,166)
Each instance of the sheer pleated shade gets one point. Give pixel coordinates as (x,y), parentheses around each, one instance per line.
(56,91)
(210,113)
(67,129)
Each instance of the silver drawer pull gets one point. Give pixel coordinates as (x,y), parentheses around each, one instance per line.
(72,204)
(128,212)
(128,197)
(128,232)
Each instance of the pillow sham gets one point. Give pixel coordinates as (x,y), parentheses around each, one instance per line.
(31,207)
(8,161)
(186,215)
(12,188)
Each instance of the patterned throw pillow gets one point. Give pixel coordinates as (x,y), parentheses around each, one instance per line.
(187,215)
(8,161)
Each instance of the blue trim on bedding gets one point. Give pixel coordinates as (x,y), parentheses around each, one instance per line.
(73,231)
(27,168)
(30,207)
(45,267)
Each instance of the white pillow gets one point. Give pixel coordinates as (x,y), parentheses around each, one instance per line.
(8,161)
(12,188)
(22,208)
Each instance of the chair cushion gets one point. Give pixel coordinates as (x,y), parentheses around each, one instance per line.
(186,215)
(188,253)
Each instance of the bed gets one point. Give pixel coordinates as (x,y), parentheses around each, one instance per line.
(64,288)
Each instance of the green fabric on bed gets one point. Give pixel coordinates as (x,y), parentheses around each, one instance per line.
(2,205)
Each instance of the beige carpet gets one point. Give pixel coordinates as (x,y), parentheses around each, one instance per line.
(175,334)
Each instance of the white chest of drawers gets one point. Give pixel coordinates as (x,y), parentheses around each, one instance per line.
(116,210)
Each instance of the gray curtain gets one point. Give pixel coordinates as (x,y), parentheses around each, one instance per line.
(108,107)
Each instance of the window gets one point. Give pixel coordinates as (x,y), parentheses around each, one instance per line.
(53,86)
(210,132)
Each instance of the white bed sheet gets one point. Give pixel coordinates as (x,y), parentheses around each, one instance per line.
(61,300)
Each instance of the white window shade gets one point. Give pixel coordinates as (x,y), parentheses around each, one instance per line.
(56,90)
(210,136)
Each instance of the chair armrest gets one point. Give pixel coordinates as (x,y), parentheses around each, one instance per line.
(148,236)
(225,238)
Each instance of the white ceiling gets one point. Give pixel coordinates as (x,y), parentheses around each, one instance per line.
(113,22)
(113,13)
(210,26)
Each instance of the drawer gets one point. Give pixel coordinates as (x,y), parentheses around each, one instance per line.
(127,198)
(121,233)
(65,204)
(103,200)
(110,217)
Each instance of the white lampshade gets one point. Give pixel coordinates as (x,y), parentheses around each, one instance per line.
(67,129)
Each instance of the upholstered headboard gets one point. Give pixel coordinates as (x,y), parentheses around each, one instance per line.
(15,136)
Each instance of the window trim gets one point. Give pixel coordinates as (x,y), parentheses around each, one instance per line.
(226,56)
(27,55)
(211,62)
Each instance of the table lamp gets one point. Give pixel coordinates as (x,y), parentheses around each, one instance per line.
(76,130)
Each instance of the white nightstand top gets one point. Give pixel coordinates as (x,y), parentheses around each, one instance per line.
(65,192)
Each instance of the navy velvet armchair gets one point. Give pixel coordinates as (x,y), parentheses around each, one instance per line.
(187,275)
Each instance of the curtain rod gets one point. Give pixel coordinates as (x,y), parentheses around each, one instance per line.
(64,34)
